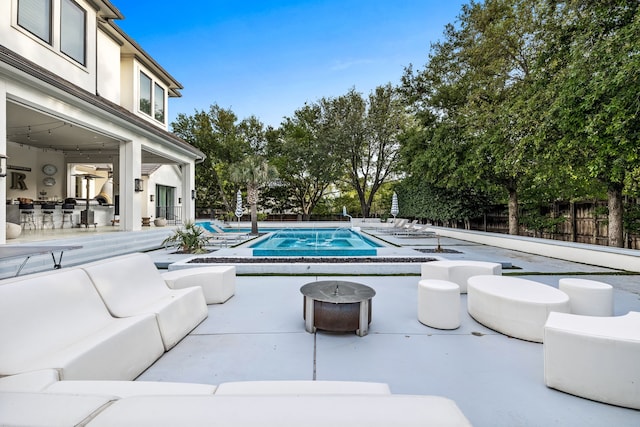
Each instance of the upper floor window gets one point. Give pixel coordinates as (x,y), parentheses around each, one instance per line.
(145,93)
(35,17)
(73,26)
(151,98)
(158,103)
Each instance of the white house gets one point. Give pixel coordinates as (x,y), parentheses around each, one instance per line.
(83,108)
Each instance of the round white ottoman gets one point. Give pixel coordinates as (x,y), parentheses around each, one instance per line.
(439,303)
(588,297)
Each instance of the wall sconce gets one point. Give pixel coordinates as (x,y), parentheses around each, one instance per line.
(3,165)
(137,185)
(193,194)
(151,197)
(179,200)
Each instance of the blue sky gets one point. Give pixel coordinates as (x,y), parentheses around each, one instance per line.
(267,58)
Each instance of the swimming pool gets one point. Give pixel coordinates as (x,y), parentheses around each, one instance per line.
(315,242)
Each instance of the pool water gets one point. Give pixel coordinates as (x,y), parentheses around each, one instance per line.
(315,242)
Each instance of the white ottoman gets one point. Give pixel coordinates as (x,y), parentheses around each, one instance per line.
(217,282)
(458,271)
(513,306)
(588,297)
(439,304)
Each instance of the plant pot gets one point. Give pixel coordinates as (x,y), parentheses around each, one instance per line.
(160,222)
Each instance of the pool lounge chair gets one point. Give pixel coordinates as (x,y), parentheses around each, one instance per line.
(225,237)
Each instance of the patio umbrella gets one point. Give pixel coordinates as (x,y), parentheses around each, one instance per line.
(239,206)
(394,205)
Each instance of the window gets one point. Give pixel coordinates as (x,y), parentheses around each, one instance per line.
(145,93)
(35,17)
(72,30)
(158,103)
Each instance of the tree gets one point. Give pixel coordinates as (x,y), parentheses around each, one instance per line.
(225,141)
(255,172)
(589,69)
(216,134)
(305,157)
(367,133)
(475,88)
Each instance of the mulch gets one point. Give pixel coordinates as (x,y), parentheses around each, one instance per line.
(312,260)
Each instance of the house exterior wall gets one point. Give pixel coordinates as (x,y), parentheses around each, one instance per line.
(167,175)
(31,47)
(127,79)
(109,74)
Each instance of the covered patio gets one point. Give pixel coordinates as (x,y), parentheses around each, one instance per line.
(259,334)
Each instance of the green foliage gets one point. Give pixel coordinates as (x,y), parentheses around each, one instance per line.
(435,203)
(534,220)
(224,140)
(255,172)
(306,160)
(190,239)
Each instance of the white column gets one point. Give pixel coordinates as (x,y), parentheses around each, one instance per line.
(188,184)
(3,150)
(130,201)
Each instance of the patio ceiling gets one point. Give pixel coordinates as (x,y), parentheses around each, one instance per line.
(79,144)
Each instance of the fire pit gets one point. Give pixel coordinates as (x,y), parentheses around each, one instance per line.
(337,306)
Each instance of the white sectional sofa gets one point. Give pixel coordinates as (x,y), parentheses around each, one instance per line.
(59,321)
(263,403)
(131,285)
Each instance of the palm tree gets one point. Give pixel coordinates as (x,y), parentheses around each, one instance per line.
(255,172)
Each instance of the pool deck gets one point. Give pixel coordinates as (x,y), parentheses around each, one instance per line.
(259,334)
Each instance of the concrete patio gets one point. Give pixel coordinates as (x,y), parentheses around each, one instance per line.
(496,380)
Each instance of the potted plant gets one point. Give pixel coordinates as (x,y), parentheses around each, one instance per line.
(190,239)
(160,221)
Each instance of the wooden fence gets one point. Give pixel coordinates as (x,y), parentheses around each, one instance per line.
(584,222)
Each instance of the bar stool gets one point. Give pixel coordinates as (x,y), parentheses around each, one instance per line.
(67,213)
(47,214)
(27,217)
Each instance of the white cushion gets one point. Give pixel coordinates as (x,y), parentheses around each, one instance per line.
(43,410)
(59,321)
(123,389)
(29,381)
(131,285)
(217,282)
(283,411)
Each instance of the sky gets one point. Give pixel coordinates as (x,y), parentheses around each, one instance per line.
(268,58)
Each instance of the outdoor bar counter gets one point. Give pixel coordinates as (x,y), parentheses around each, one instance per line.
(102,214)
